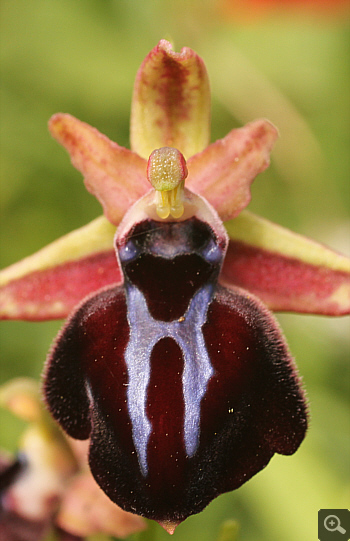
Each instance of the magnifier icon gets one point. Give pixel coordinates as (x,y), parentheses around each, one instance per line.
(332,524)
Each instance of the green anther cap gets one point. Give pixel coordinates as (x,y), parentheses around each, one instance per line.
(166,171)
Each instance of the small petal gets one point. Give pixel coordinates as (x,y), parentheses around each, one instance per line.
(49,465)
(44,462)
(13,527)
(63,535)
(48,284)
(171,102)
(10,468)
(224,171)
(287,271)
(21,396)
(86,510)
(113,174)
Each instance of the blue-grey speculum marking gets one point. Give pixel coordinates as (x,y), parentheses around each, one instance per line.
(145,332)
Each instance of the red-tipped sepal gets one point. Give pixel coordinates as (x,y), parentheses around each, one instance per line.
(48,284)
(287,271)
(171,102)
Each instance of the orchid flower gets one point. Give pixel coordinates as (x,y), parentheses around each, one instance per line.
(171,363)
(47,486)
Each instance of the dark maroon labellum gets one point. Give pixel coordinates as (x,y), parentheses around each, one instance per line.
(185,388)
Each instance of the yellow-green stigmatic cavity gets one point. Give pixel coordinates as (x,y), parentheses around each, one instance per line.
(166,171)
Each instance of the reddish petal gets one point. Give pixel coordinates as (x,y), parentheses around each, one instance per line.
(13,527)
(62,535)
(171,102)
(49,283)
(224,171)
(113,174)
(15,523)
(85,511)
(21,396)
(287,271)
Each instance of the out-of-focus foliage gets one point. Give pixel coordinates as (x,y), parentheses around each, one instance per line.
(291,67)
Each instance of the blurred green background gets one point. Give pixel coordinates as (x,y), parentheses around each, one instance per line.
(290,65)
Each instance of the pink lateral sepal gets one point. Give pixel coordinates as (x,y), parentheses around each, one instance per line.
(50,282)
(113,174)
(288,271)
(52,293)
(224,171)
(286,283)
